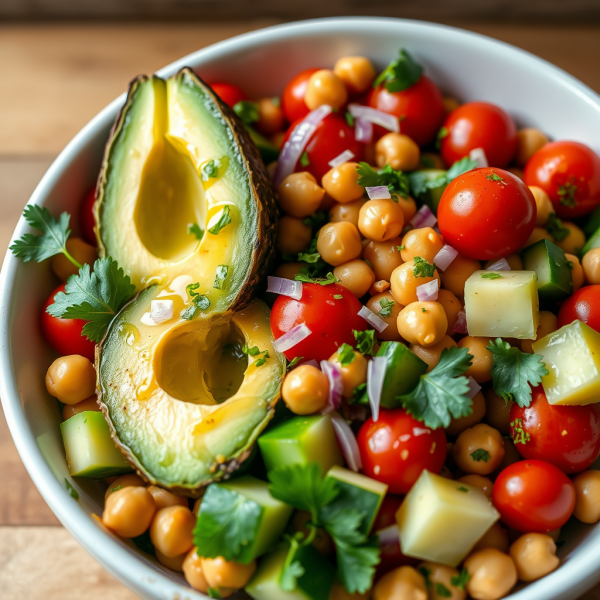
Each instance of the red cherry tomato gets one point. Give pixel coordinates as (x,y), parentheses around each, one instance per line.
(396,449)
(566,436)
(486,218)
(479,125)
(292,100)
(533,496)
(332,136)
(86,218)
(230,94)
(64,335)
(584,305)
(420,109)
(569,172)
(330,320)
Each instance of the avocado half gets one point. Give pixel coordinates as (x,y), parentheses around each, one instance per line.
(183,402)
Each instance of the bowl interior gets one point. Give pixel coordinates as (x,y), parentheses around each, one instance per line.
(468,66)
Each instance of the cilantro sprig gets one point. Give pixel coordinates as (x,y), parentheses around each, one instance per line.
(329,278)
(256,351)
(365,340)
(200,302)
(385,307)
(423,268)
(195,230)
(555,227)
(402,73)
(395,181)
(346,355)
(421,181)
(247,111)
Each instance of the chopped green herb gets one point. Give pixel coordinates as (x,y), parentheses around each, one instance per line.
(220,276)
(316,220)
(567,193)
(460,581)
(223,220)
(480,455)
(210,170)
(349,119)
(247,111)
(395,181)
(491,275)
(494,177)
(119,487)
(294,362)
(442,133)
(442,591)
(72,491)
(462,488)
(570,264)
(304,160)
(255,351)
(200,302)
(385,307)
(426,573)
(400,248)
(421,181)
(423,309)
(338,296)
(555,227)
(365,340)
(402,73)
(461,166)
(359,395)
(427,162)
(213,593)
(519,435)
(310,258)
(346,354)
(195,230)
(330,278)
(143,542)
(422,268)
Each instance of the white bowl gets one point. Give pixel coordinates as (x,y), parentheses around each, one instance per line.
(466,65)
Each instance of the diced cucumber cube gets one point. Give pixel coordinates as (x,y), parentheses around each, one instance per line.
(592,223)
(554,277)
(593,242)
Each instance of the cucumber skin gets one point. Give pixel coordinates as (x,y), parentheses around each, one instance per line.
(560,281)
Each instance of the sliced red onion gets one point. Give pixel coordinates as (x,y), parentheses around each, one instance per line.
(478,155)
(334,375)
(372,319)
(347,441)
(345,156)
(312,362)
(444,257)
(363,131)
(423,218)
(376,369)
(390,536)
(378,192)
(377,117)
(474,387)
(294,147)
(285,287)
(291,338)
(428,292)
(500,265)
(461,323)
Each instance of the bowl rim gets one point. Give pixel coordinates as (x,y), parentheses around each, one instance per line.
(113,554)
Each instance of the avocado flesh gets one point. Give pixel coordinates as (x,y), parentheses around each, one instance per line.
(184,404)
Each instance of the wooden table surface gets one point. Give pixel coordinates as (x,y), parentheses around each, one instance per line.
(54,79)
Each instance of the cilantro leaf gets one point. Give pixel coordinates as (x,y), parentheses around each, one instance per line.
(213,593)
(247,111)
(199,302)
(442,393)
(220,276)
(421,181)
(385,307)
(72,491)
(459,167)
(395,181)
(222,221)
(423,268)
(316,221)
(356,564)
(480,455)
(400,74)
(289,575)
(346,354)
(95,297)
(294,362)
(330,278)
(338,296)
(441,134)
(227,523)
(195,230)
(304,160)
(514,372)
(359,395)
(442,591)
(494,177)
(210,170)
(255,351)
(491,275)
(365,340)
(460,581)
(555,227)
(310,258)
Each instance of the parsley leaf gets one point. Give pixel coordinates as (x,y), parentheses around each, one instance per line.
(462,488)
(365,340)
(304,160)
(310,258)
(422,268)
(514,372)
(213,593)
(199,302)
(346,354)
(442,591)
(255,351)
(290,574)
(385,307)
(421,181)
(316,221)
(330,278)
(247,111)
(459,167)
(338,296)
(359,395)
(555,227)
(72,491)
(294,362)
(356,564)
(195,230)
(460,581)
(480,455)
(494,177)
(491,275)
(224,218)
(442,393)
(220,276)
(400,74)
(395,181)
(95,297)
(53,240)
(210,170)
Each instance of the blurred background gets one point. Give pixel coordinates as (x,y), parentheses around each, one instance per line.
(61,61)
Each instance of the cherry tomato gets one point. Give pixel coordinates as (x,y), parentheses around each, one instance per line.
(533,496)
(331,137)
(230,94)
(396,449)
(420,109)
(479,125)
(569,172)
(330,319)
(566,436)
(292,100)
(584,305)
(64,335)
(86,218)
(484,217)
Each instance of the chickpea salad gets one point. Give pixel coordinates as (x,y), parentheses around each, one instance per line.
(341,343)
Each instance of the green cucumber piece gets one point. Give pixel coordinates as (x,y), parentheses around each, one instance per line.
(591,223)
(90,450)
(554,277)
(593,242)
(301,440)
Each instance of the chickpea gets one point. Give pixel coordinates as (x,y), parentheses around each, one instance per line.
(495,537)
(129,480)
(353,373)
(514,262)
(339,242)
(129,511)
(357,73)
(457,426)
(163,498)
(424,242)
(481,367)
(543,203)
(547,324)
(192,571)
(405,280)
(450,104)
(384,257)
(81,251)
(271,119)
(174,563)
(576,270)
(305,390)
(381,220)
(497,411)
(479,449)
(432,354)
(325,87)
(451,306)
(346,212)
(591,266)
(587,496)
(423,323)
(440,580)
(70,410)
(355,275)
(431,160)
(493,574)
(457,273)
(390,333)
(538,233)
(289,270)
(300,195)
(529,141)
(221,573)
(397,150)
(294,236)
(171,530)
(479,481)
(341,183)
(534,555)
(71,379)
(404,582)
(408,206)
(322,540)
(574,242)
